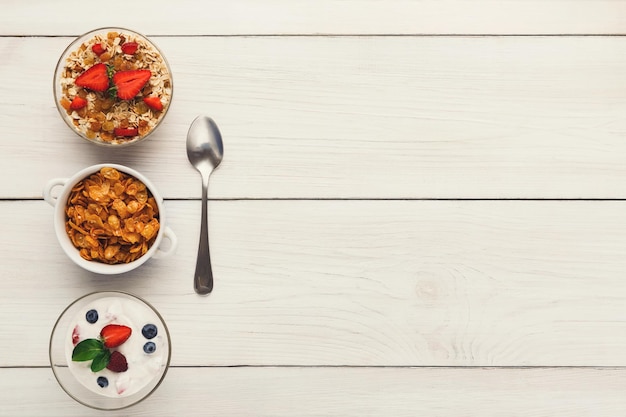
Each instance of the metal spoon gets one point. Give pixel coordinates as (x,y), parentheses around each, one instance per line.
(205,152)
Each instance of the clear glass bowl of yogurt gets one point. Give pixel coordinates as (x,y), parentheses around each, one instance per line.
(91,337)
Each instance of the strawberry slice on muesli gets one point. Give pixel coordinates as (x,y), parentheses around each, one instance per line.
(154,103)
(129,83)
(95,78)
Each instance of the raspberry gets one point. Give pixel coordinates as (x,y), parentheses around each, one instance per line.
(118,362)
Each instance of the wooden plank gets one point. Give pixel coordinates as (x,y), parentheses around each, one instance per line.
(245,17)
(445,283)
(381,117)
(567,392)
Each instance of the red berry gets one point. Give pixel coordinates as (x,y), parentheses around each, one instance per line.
(78,103)
(153,102)
(117,362)
(129,47)
(129,83)
(75,335)
(95,78)
(125,132)
(98,49)
(114,335)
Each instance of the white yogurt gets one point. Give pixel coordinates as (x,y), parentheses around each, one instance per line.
(143,367)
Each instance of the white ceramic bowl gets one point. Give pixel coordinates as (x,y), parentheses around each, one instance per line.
(164,72)
(59,203)
(78,382)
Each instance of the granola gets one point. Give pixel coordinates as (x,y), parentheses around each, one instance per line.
(115,87)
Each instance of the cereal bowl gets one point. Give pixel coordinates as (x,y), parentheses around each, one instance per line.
(109,350)
(109,218)
(113,86)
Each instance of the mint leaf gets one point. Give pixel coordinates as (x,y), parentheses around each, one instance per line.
(87,350)
(101,360)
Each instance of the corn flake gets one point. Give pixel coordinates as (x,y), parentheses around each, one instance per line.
(111,217)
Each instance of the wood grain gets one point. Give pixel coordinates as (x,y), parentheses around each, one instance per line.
(361,117)
(421,209)
(345,392)
(314,17)
(385,283)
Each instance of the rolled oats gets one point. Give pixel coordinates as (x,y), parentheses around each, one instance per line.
(127,116)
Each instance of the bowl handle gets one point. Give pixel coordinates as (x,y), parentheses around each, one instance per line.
(169,235)
(47,190)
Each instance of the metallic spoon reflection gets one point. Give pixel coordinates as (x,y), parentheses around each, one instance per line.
(205,152)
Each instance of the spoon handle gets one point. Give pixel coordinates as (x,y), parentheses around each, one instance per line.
(203,279)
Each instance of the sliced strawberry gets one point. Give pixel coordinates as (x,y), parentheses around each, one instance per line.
(114,335)
(98,49)
(95,78)
(117,362)
(129,83)
(153,102)
(78,103)
(126,131)
(76,335)
(129,47)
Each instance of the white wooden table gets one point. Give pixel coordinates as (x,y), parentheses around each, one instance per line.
(421,210)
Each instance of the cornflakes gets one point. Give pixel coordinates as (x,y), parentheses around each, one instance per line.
(111,217)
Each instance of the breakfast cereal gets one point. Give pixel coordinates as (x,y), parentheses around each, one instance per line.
(115,87)
(111,217)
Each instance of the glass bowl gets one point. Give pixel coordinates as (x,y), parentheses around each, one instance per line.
(147,351)
(118,59)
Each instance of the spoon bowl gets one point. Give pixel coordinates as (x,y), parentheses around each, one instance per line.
(205,151)
(204,144)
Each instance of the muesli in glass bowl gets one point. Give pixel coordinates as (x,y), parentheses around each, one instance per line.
(113,86)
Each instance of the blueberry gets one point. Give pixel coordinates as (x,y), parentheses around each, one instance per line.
(149,347)
(92,316)
(149,331)
(103,382)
